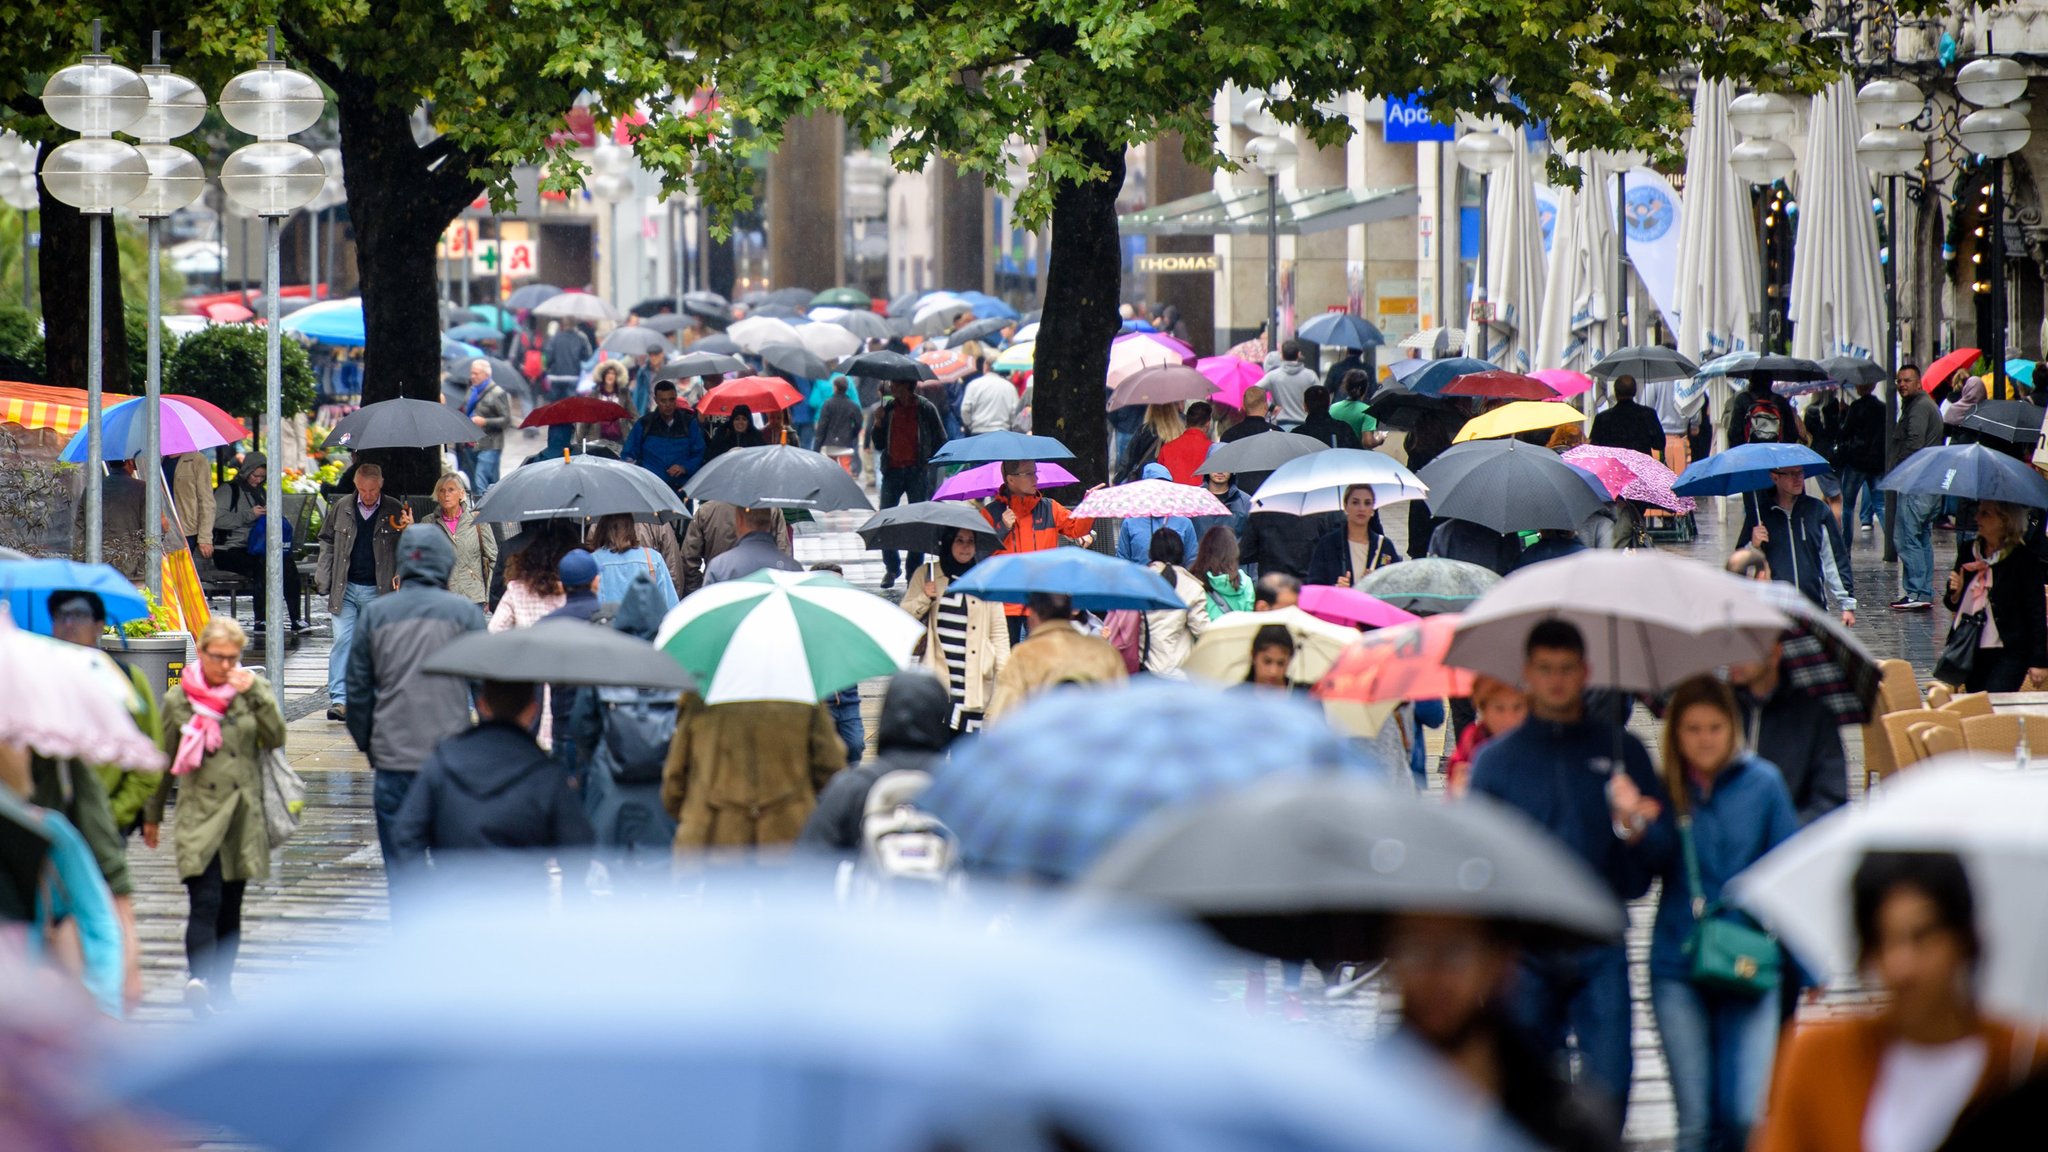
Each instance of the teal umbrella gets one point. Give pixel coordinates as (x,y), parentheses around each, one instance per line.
(2021,370)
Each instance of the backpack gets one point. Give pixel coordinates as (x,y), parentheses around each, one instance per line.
(1762,424)
(637,726)
(532,364)
(1130,633)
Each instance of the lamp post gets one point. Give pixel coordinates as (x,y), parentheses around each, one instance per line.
(18,191)
(1890,150)
(176,106)
(1994,131)
(1762,159)
(272,178)
(1485,153)
(1272,155)
(1619,162)
(95,174)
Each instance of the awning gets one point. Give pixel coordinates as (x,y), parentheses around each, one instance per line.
(1242,211)
(36,406)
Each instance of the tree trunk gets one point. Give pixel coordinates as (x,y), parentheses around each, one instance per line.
(1083,277)
(62,264)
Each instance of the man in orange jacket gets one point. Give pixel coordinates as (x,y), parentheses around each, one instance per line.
(1030,523)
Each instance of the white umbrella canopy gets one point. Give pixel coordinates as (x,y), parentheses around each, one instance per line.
(1837,295)
(1515,268)
(757,332)
(1577,323)
(1717,257)
(828,341)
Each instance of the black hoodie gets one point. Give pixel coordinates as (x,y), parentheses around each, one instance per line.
(913,733)
(489,789)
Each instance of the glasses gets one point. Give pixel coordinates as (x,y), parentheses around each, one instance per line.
(224,659)
(80,614)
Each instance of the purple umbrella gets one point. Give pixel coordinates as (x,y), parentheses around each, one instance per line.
(987,480)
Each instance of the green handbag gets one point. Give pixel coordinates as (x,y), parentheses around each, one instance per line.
(1726,955)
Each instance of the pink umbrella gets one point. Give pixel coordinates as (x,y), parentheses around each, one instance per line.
(1613,475)
(1167,385)
(68,702)
(1350,606)
(1151,498)
(987,480)
(1231,375)
(1566,381)
(1652,481)
(1173,344)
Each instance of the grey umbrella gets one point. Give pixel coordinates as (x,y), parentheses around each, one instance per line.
(2014,421)
(1261,453)
(636,340)
(717,315)
(530,296)
(866,325)
(668,323)
(505,376)
(1428,586)
(978,330)
(777,476)
(560,652)
(775,312)
(1853,370)
(1645,362)
(718,344)
(1509,486)
(794,359)
(1312,867)
(694,364)
(577,488)
(919,527)
(402,424)
(789,297)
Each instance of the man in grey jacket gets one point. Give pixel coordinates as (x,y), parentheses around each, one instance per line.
(398,714)
(1919,427)
(489,407)
(1288,383)
(358,562)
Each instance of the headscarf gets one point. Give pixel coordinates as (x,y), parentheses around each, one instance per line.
(951,567)
(1972,394)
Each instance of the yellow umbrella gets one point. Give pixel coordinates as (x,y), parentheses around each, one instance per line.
(1518,417)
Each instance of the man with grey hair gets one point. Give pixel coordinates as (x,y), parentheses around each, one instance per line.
(489,407)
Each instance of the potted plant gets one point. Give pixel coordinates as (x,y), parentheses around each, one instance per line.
(152,643)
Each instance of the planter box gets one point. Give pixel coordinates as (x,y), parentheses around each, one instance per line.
(161,657)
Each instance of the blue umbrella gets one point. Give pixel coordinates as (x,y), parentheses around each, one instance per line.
(1401,370)
(1965,471)
(985,306)
(1340,330)
(2021,370)
(1437,375)
(457,350)
(27,584)
(1746,468)
(990,447)
(475,334)
(1096,582)
(336,322)
(638,1023)
(1046,793)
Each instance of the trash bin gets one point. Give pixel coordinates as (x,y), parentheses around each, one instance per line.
(161,657)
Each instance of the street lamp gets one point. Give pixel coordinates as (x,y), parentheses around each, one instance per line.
(1994,131)
(272,178)
(18,191)
(176,106)
(1890,150)
(1484,153)
(1619,161)
(95,174)
(1762,159)
(1272,155)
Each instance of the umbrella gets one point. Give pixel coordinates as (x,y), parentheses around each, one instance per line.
(1939,371)
(1649,619)
(1717,253)
(1515,266)
(757,332)
(777,312)
(454,350)
(935,313)
(778,476)
(227,312)
(1613,476)
(1764,366)
(1134,356)
(1434,341)
(1095,582)
(1789,389)
(1044,794)
(26,585)
(791,297)
(796,636)
(1311,867)
(987,479)
(1563,381)
(402,423)
(335,322)
(2021,370)
(987,305)
(501,319)
(576,306)
(667,323)
(1223,653)
(1399,663)
(66,701)
(1837,306)
(1264,452)
(979,330)
(696,363)
(1170,385)
(1990,817)
(2014,421)
(1576,326)
(714,315)
(1428,586)
(1350,606)
(1340,330)
(1823,659)
(842,298)
(577,488)
(1231,375)
(1016,358)
(826,341)
(1509,486)
(1652,480)
(577,410)
(1746,468)
(1967,472)
(636,340)
(561,651)
(865,325)
(718,344)
(1436,375)
(994,446)
(1316,483)
(184,423)
(794,359)
(1515,418)
(476,334)
(1401,370)
(918,527)
(1853,371)
(1499,385)
(1027,331)
(527,297)
(948,365)
(757,393)
(887,366)
(1151,498)
(1397,406)
(653,306)
(1645,362)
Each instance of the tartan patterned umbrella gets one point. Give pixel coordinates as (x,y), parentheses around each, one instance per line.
(1652,483)
(1824,659)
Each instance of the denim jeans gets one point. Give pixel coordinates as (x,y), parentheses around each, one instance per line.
(907,485)
(1719,1048)
(853,731)
(353,599)
(485,472)
(387,796)
(1872,506)
(1582,994)
(1916,544)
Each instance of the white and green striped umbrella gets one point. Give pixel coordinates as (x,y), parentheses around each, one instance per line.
(798,636)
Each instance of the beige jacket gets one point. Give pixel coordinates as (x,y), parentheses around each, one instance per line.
(1053,654)
(1170,633)
(192,495)
(988,637)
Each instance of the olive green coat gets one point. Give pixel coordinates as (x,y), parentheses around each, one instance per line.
(220,804)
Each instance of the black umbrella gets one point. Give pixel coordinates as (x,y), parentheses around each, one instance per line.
(560,651)
(653,306)
(1429,586)
(1509,486)
(1261,453)
(776,476)
(790,297)
(866,325)
(403,424)
(2014,421)
(919,527)
(774,312)
(794,359)
(1967,472)
(1398,406)
(887,366)
(1312,866)
(1853,371)
(1645,362)
(454,316)
(531,296)
(719,344)
(978,330)
(717,315)
(696,363)
(577,488)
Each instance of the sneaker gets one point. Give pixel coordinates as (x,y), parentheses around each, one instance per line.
(300,627)
(196,998)
(1908,604)
(340,712)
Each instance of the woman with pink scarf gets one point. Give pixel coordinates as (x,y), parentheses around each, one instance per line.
(219,720)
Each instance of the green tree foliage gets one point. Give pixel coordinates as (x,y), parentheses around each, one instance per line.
(224,364)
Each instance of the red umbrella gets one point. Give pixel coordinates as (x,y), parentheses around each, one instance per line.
(227,312)
(1350,606)
(1948,365)
(757,393)
(1401,663)
(1500,385)
(578,410)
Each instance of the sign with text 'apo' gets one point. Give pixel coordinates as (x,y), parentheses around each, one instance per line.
(1409,123)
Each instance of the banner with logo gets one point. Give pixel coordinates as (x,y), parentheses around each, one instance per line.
(1654,216)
